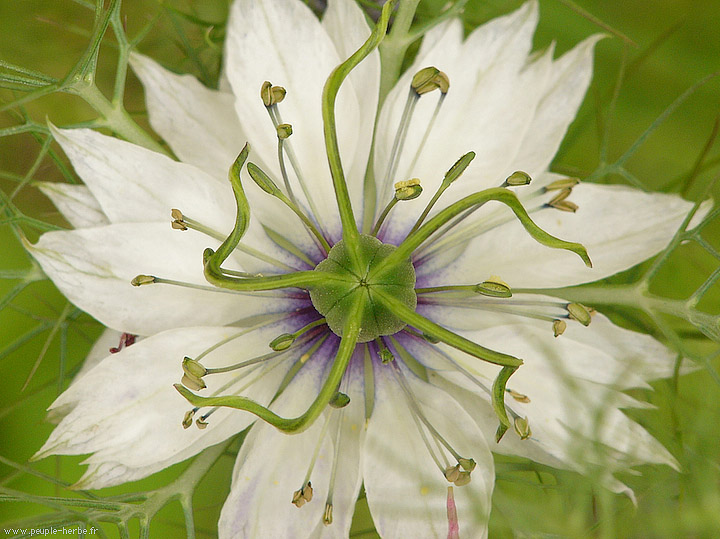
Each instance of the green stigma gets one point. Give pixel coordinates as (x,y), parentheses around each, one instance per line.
(352,280)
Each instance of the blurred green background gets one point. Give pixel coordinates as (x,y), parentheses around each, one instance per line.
(675,44)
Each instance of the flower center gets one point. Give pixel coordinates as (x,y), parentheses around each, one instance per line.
(333,298)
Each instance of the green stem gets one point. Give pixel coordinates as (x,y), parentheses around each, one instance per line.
(351,235)
(499,194)
(351,331)
(635,296)
(393,49)
(116,117)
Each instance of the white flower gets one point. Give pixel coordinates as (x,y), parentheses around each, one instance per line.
(509,107)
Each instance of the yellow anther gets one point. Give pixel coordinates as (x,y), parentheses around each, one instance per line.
(518,396)
(580,313)
(565,183)
(193,382)
(452,473)
(522,427)
(559,327)
(142,280)
(408,189)
(430,79)
(188,419)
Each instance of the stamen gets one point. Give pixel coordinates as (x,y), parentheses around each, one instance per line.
(284,146)
(559,202)
(400,137)
(522,427)
(266,184)
(182,222)
(432,79)
(188,419)
(506,307)
(348,341)
(302,496)
(283,132)
(520,397)
(194,371)
(565,183)
(490,392)
(285,341)
(580,313)
(406,190)
(559,327)
(143,280)
(451,473)
(494,287)
(193,382)
(270,94)
(243,364)
(327,516)
(305,493)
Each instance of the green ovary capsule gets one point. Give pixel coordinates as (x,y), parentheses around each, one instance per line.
(348,280)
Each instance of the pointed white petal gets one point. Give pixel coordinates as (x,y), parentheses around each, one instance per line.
(619,226)
(134,184)
(75,202)
(263,43)
(489,106)
(574,410)
(406,491)
(129,416)
(559,101)
(272,465)
(108,339)
(93,267)
(198,123)
(99,351)
(347,26)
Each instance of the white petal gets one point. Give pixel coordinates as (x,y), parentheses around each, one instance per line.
(348,477)
(271,465)
(134,184)
(490,105)
(619,226)
(198,123)
(99,351)
(108,339)
(559,101)
(75,202)
(283,42)
(129,416)
(569,381)
(346,25)
(93,267)
(405,490)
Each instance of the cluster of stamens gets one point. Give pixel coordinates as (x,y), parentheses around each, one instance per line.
(358,267)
